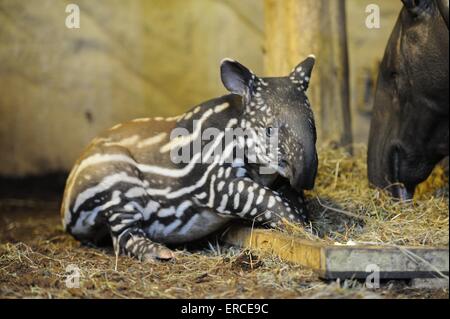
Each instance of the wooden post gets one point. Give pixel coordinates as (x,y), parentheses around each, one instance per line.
(344,75)
(295,29)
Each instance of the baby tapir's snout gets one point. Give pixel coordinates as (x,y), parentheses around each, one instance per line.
(303,164)
(304,175)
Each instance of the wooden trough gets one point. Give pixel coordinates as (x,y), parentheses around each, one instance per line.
(346,261)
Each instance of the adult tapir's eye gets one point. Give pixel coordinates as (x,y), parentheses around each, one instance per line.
(393,75)
(269,131)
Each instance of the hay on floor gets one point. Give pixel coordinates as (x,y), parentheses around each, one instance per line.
(345,209)
(35,252)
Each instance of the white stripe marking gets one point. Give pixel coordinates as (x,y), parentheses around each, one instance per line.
(220,186)
(166,212)
(189,225)
(129,141)
(221,107)
(236,200)
(184,140)
(181,141)
(271,202)
(152,140)
(201,195)
(223,203)
(135,192)
(248,204)
(105,184)
(180,192)
(145,119)
(182,208)
(170,228)
(151,208)
(105,158)
(212,194)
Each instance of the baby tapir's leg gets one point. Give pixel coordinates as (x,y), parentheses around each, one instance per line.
(295,198)
(129,238)
(117,200)
(246,199)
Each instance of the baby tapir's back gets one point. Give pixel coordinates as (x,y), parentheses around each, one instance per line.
(112,170)
(130,167)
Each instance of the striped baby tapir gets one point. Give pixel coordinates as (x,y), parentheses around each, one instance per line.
(130,187)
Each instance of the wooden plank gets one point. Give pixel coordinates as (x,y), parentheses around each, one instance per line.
(297,28)
(344,261)
(306,253)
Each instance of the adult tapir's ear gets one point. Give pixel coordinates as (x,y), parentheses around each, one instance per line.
(443,6)
(416,7)
(301,75)
(236,77)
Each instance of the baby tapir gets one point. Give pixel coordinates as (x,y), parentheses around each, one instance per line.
(133,185)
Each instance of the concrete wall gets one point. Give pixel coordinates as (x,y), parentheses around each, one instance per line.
(59,88)
(366,48)
(134,58)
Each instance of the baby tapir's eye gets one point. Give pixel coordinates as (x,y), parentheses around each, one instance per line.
(269,131)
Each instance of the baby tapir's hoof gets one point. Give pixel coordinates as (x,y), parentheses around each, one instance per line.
(146,250)
(159,253)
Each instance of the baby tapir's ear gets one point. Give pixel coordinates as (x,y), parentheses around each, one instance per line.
(236,78)
(301,75)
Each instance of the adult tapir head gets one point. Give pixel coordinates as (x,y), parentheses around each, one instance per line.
(409,132)
(277,108)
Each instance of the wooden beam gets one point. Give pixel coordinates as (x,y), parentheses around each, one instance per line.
(295,29)
(345,261)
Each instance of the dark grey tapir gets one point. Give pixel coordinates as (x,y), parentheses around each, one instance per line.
(409,131)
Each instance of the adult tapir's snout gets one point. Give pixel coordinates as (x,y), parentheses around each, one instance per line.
(304,168)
